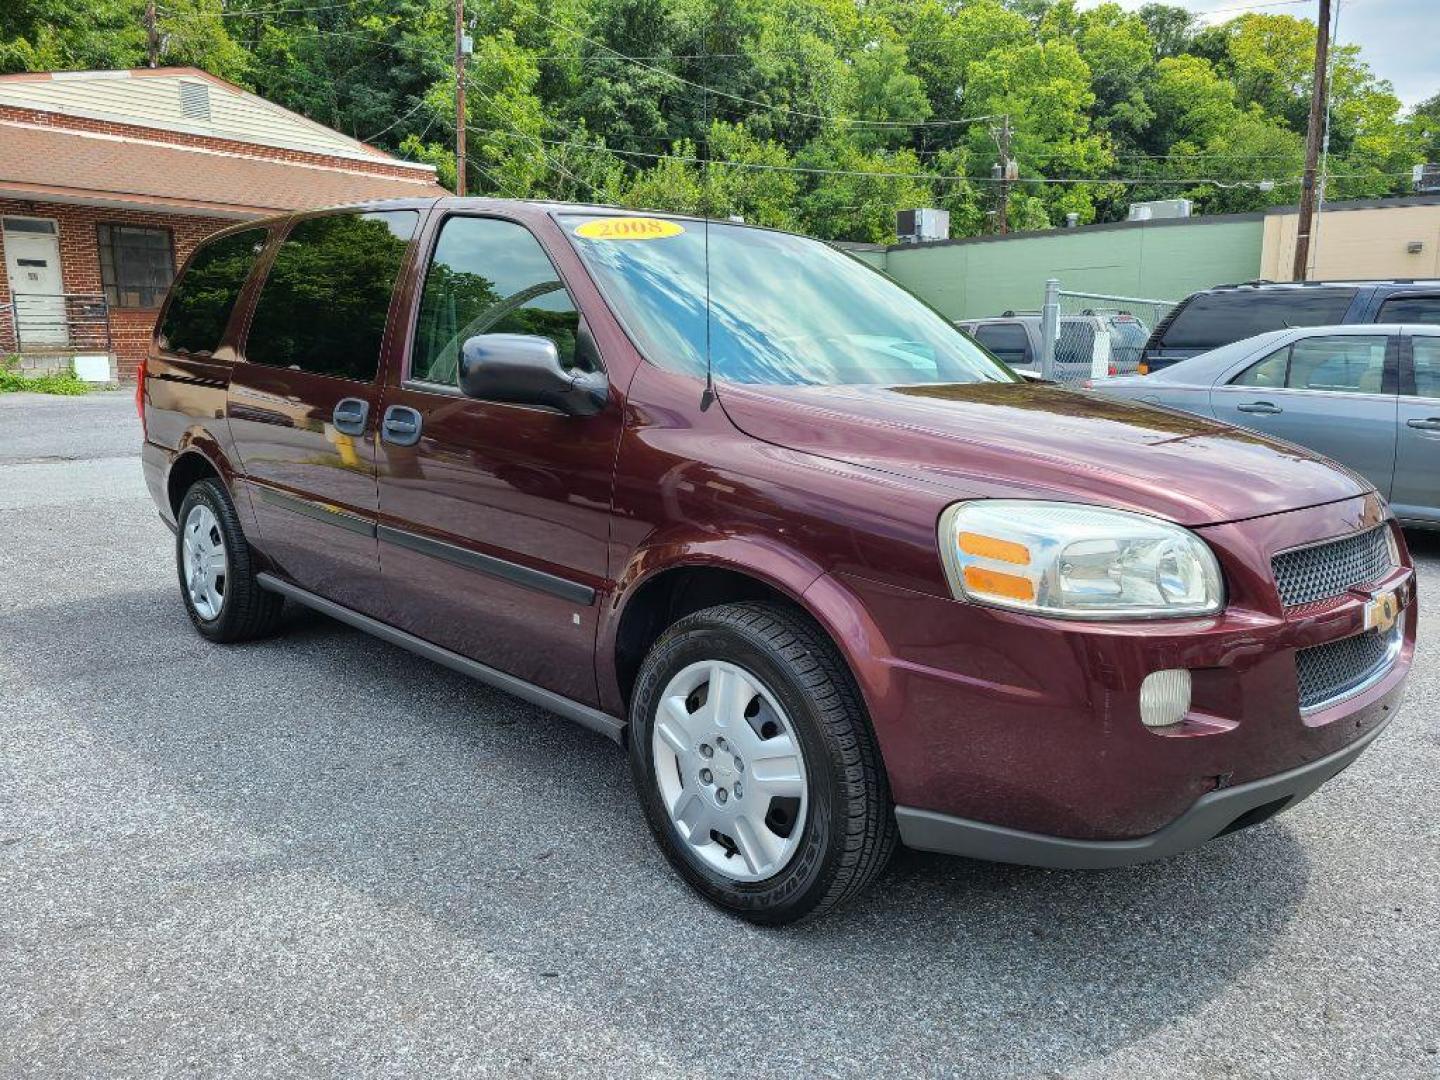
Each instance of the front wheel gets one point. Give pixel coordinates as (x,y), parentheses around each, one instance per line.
(755,762)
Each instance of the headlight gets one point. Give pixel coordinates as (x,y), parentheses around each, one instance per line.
(1077,561)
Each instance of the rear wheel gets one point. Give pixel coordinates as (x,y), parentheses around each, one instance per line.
(216,569)
(755,762)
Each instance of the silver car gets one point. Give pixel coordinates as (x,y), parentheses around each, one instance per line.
(1367,396)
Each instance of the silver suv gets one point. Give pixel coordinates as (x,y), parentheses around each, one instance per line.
(1015,338)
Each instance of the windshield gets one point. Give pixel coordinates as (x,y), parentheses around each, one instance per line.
(783,309)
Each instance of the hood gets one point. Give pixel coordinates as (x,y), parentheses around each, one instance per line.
(1022,440)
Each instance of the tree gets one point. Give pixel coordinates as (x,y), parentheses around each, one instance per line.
(885,91)
(1425,123)
(856,199)
(712,105)
(1172,29)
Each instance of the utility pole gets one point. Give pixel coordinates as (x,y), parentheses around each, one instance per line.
(1313,136)
(1005,172)
(152,34)
(460,54)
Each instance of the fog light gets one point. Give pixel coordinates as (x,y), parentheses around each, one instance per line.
(1165,697)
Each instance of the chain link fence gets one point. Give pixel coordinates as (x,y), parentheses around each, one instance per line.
(1093,335)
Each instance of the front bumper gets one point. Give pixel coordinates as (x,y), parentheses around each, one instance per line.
(1032,725)
(1214,815)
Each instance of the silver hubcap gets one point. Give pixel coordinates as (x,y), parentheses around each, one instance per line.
(730,770)
(202,561)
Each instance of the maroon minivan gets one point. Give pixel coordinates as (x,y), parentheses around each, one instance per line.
(835,576)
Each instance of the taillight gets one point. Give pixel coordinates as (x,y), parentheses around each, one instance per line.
(1112,369)
(140,395)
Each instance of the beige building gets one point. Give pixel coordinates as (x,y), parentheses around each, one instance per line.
(1356,240)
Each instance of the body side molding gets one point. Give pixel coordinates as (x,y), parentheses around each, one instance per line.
(330,515)
(489,565)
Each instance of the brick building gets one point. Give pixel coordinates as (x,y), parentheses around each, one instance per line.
(108,179)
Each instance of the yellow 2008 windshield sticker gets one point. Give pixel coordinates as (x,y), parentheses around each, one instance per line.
(629,228)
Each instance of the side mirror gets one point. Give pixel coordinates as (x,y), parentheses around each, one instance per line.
(521,369)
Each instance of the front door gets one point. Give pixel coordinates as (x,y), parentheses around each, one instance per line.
(1415,494)
(303,405)
(494,518)
(1334,394)
(32,266)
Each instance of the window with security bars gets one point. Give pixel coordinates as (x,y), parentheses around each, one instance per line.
(137,265)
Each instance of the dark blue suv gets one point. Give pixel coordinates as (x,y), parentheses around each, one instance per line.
(1213,317)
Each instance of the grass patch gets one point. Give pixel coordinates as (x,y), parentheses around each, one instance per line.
(13,380)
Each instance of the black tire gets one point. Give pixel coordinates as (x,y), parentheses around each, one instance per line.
(849,831)
(247,611)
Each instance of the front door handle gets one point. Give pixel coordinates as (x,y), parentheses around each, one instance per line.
(350,415)
(1430,423)
(401,426)
(1264,408)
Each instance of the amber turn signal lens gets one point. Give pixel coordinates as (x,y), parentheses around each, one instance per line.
(988,547)
(994,583)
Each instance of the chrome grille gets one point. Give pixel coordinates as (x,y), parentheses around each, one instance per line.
(1322,571)
(1332,671)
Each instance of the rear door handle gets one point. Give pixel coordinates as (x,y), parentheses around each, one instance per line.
(1264,408)
(350,415)
(1431,423)
(401,426)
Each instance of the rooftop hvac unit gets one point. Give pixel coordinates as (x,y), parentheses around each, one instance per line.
(1161,208)
(1426,179)
(913,226)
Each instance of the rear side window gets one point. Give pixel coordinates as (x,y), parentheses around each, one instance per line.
(1008,341)
(1342,364)
(1410,309)
(204,297)
(1425,354)
(325,300)
(1218,318)
(488,276)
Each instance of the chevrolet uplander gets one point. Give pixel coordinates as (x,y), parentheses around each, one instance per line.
(835,577)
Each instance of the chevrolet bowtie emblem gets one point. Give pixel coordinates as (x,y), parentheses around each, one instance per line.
(1381,611)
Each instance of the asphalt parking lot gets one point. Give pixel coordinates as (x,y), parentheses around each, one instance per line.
(319,856)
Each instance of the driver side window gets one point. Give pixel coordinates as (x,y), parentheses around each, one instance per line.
(488,276)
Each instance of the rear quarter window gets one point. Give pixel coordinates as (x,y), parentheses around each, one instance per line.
(1410,309)
(204,297)
(1218,318)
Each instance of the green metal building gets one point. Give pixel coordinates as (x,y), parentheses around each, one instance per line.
(987,275)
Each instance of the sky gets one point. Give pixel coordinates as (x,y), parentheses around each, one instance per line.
(1396,37)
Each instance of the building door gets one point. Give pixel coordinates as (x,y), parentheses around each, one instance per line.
(32,266)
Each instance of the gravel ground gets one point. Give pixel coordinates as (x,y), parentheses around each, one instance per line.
(318,856)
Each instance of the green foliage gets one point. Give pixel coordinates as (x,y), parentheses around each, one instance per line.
(888,104)
(13,380)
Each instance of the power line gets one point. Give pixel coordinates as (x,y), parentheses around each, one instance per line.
(1253,7)
(886,174)
(239,14)
(395,123)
